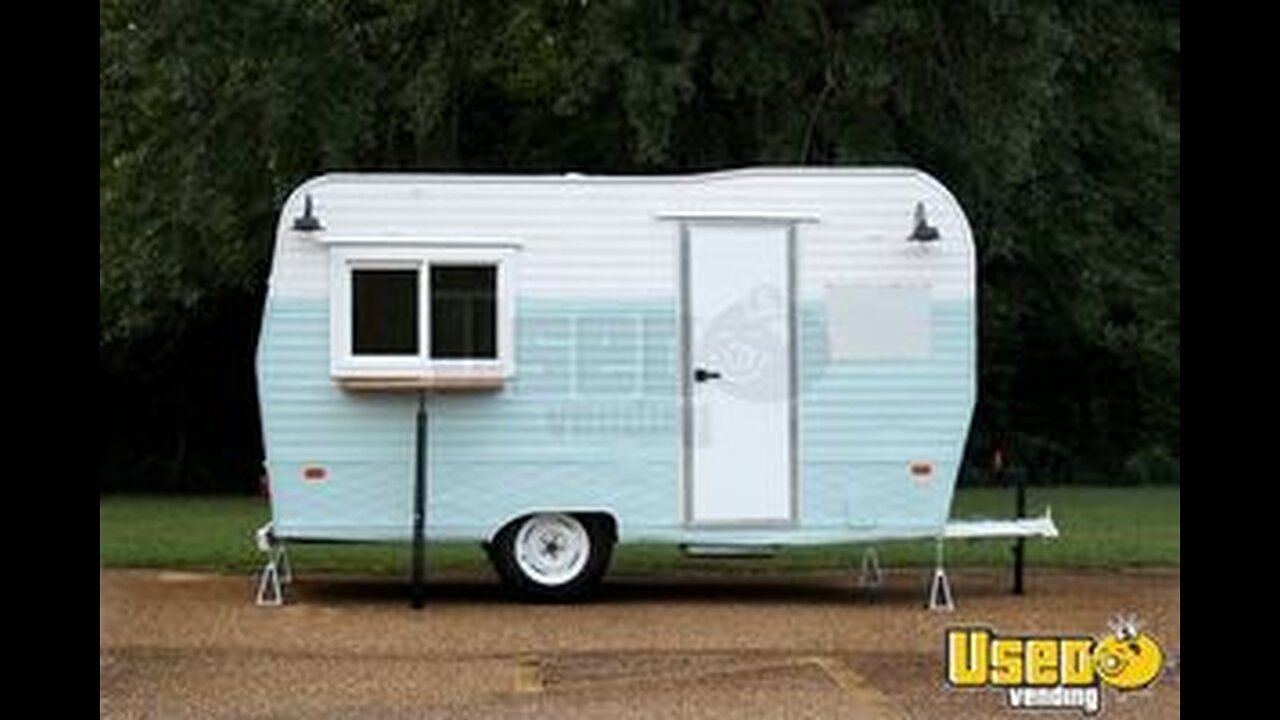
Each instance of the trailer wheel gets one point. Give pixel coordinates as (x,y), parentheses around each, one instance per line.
(553,557)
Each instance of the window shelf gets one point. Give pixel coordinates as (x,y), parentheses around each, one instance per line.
(454,383)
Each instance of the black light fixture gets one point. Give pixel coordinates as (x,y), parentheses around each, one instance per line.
(924,232)
(307,222)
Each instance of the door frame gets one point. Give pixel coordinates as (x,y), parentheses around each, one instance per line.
(684,366)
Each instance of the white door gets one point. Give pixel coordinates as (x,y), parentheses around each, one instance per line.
(739,363)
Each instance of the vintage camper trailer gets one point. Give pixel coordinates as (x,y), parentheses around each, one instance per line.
(550,364)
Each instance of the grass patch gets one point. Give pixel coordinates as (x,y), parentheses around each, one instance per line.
(216,533)
(1101,527)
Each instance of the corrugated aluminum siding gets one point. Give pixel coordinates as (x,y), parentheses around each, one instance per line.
(590,419)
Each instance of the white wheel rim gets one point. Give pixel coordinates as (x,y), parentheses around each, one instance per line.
(552,549)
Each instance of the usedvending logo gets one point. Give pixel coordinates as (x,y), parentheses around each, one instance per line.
(1053,671)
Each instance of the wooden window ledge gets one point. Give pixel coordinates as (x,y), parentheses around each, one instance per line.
(454,383)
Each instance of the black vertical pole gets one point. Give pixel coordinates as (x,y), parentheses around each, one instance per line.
(1019,546)
(419,502)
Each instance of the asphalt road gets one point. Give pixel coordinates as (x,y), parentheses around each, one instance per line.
(180,645)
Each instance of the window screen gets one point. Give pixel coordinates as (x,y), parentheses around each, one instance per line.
(464,311)
(384,312)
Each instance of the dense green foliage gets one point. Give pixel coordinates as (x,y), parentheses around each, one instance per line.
(1057,125)
(1101,527)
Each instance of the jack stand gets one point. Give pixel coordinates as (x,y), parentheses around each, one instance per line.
(283,566)
(276,573)
(870,577)
(940,589)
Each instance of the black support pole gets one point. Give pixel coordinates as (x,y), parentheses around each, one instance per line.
(1020,545)
(419,504)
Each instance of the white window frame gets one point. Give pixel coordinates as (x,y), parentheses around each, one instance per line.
(346,365)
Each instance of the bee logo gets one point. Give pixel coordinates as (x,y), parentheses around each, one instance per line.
(1127,659)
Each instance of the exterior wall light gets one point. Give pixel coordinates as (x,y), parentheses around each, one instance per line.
(923,232)
(307,222)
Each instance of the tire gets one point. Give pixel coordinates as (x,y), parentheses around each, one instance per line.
(552,557)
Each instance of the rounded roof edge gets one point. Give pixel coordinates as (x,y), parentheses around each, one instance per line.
(576,177)
(317,181)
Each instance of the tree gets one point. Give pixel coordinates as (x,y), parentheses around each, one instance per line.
(1057,125)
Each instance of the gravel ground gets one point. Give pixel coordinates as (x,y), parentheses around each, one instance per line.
(177,645)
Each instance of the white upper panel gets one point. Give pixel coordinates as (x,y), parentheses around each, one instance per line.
(614,237)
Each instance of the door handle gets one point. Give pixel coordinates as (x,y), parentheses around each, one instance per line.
(703,375)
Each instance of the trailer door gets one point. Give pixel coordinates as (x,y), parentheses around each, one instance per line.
(739,365)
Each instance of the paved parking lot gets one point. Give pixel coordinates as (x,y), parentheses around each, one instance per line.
(175,645)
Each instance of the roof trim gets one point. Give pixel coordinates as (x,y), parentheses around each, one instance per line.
(774,216)
(579,178)
(444,241)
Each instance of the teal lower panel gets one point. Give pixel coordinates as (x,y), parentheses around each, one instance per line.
(480,496)
(590,422)
(863,422)
(875,495)
(671,533)
(782,537)
(351,494)
(870,495)
(486,495)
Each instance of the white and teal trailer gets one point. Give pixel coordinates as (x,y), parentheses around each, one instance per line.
(727,361)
